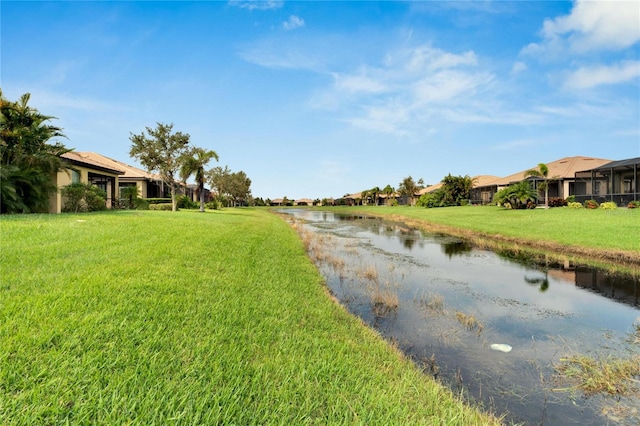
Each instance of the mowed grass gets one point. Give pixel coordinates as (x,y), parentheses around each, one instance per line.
(188,318)
(598,229)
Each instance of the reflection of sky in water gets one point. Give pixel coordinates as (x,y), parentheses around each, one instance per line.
(505,296)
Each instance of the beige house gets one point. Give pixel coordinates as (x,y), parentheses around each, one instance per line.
(303,202)
(86,169)
(562,175)
(149,185)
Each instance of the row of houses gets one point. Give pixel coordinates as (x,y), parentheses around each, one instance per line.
(112,176)
(584,178)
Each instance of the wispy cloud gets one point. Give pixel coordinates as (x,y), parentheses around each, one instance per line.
(591,76)
(410,87)
(292,23)
(257,4)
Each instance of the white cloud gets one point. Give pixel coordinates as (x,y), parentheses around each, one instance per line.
(293,23)
(518,67)
(358,83)
(410,88)
(589,77)
(257,4)
(593,25)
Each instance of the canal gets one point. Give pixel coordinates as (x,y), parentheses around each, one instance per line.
(493,329)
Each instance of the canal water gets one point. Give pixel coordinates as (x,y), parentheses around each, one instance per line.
(489,327)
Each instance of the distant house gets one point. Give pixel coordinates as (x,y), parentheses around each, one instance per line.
(85,169)
(562,175)
(615,181)
(479,194)
(303,202)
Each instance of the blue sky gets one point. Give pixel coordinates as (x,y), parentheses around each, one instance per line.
(318,99)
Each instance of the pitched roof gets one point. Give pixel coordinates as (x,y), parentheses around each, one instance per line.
(430,188)
(480,180)
(130,172)
(629,162)
(483,180)
(563,168)
(92,161)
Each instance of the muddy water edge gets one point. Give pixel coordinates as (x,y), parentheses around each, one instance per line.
(505,333)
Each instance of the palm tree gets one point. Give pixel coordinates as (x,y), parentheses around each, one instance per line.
(408,188)
(516,196)
(375,192)
(541,172)
(193,164)
(27,158)
(364,195)
(388,192)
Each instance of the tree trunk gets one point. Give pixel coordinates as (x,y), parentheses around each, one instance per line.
(174,203)
(201,188)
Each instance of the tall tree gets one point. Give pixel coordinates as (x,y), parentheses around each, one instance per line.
(240,187)
(388,192)
(375,194)
(161,151)
(28,159)
(408,188)
(231,186)
(542,172)
(193,164)
(219,178)
(456,190)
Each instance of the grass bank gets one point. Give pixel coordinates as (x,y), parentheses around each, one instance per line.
(188,318)
(598,235)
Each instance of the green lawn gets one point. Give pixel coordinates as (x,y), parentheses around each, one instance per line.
(188,318)
(597,229)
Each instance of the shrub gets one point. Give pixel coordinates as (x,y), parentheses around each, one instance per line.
(574,205)
(591,204)
(517,196)
(633,204)
(185,202)
(161,206)
(213,205)
(157,200)
(83,197)
(141,204)
(430,199)
(557,202)
(609,205)
(571,199)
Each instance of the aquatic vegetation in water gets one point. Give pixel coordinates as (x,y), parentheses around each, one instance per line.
(470,322)
(614,376)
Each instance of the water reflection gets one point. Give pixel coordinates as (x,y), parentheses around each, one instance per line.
(444,303)
(456,248)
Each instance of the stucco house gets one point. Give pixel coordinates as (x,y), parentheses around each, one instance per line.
(86,169)
(149,185)
(562,175)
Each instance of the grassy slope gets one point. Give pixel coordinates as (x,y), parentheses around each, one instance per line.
(598,229)
(188,318)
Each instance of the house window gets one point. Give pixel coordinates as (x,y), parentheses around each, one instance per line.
(75,176)
(627,185)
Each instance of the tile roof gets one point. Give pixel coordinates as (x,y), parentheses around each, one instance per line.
(563,168)
(91,160)
(130,172)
